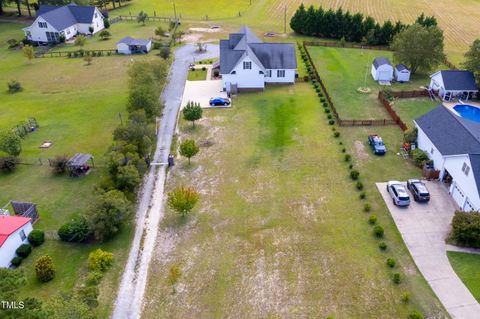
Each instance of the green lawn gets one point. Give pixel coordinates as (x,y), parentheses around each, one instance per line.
(467,267)
(411,108)
(77,107)
(197,75)
(343,71)
(279,229)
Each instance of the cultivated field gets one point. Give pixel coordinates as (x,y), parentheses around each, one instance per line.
(77,107)
(279,231)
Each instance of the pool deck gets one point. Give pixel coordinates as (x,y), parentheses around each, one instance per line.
(450,105)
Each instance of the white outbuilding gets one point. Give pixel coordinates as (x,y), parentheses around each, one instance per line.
(130,45)
(14,231)
(382,69)
(402,73)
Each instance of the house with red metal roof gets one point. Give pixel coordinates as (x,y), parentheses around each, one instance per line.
(14,231)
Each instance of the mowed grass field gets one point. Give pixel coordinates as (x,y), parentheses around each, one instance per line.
(458,18)
(467,267)
(77,107)
(344,70)
(279,231)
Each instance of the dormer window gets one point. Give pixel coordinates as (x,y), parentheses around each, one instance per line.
(247,65)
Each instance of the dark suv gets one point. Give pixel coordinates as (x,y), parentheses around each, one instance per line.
(419,190)
(376,143)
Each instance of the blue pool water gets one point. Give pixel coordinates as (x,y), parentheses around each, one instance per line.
(468,111)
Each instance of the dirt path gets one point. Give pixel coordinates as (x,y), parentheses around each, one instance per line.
(129,301)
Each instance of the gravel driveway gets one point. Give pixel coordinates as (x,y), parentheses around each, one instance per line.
(150,211)
(424,228)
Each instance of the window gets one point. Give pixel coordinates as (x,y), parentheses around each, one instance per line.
(247,65)
(52,36)
(465,169)
(233,72)
(260,72)
(95,15)
(22,235)
(42,25)
(431,151)
(268,74)
(68,31)
(280,73)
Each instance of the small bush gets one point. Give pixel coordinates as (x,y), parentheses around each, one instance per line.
(466,229)
(325,104)
(44,268)
(59,164)
(344,150)
(359,185)
(367,207)
(76,231)
(322,100)
(14,86)
(396,278)
(372,219)
(331,122)
(362,195)
(391,262)
(216,73)
(165,53)
(8,163)
(89,295)
(327,110)
(100,260)
(350,166)
(354,174)
(36,237)
(329,116)
(204,69)
(16,261)
(336,134)
(419,157)
(348,157)
(340,143)
(378,231)
(94,278)
(383,246)
(24,250)
(406,297)
(414,314)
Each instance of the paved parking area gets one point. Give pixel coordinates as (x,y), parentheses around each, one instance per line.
(424,228)
(202,92)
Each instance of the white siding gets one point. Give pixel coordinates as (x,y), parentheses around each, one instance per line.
(245,79)
(123,48)
(424,143)
(402,76)
(39,34)
(149,46)
(466,183)
(289,77)
(383,73)
(7,251)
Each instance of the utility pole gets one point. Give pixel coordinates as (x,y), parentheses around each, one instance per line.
(285,20)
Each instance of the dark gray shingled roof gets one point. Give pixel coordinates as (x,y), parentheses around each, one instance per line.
(401,67)
(132,41)
(66,16)
(266,55)
(458,80)
(453,135)
(450,133)
(380,61)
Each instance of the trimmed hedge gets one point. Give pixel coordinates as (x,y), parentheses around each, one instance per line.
(36,237)
(24,250)
(466,229)
(16,261)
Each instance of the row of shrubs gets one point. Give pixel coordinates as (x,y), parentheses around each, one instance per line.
(83,53)
(377,230)
(35,238)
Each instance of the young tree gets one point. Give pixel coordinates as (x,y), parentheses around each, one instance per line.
(165,52)
(192,112)
(10,283)
(472,60)
(159,32)
(174,275)
(65,306)
(419,47)
(182,200)
(80,40)
(104,35)
(108,213)
(188,148)
(142,17)
(88,59)
(44,268)
(297,23)
(10,143)
(28,52)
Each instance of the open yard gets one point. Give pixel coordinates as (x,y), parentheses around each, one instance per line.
(197,75)
(467,267)
(77,107)
(278,231)
(411,108)
(343,71)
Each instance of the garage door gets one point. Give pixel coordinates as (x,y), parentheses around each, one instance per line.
(468,206)
(384,76)
(458,195)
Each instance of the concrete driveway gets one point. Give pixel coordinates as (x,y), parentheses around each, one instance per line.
(202,92)
(424,228)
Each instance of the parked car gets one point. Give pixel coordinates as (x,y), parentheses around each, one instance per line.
(376,143)
(419,190)
(398,193)
(215,101)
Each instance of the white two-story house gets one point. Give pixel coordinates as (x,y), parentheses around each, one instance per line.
(248,63)
(453,143)
(69,20)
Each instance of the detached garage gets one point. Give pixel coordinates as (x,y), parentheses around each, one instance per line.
(382,70)
(130,45)
(402,73)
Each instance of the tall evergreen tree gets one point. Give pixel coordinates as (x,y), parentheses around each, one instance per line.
(297,23)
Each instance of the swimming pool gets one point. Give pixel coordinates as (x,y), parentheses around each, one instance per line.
(468,111)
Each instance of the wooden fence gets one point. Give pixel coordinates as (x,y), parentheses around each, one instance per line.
(80,53)
(409,94)
(386,104)
(150,18)
(346,45)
